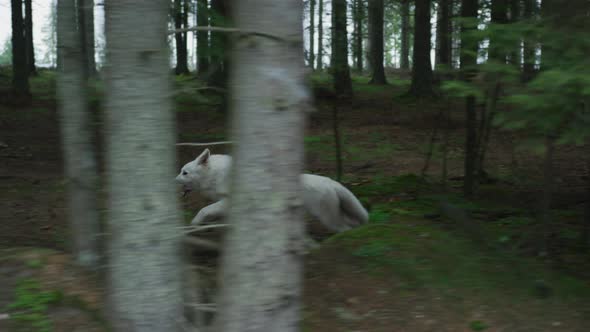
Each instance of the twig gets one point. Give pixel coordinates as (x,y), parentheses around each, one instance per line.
(190,229)
(209,307)
(205,144)
(234,30)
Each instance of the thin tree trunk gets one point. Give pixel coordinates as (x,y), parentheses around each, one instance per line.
(528,69)
(515,55)
(358,16)
(262,263)
(180,38)
(499,16)
(443,51)
(320,57)
(218,18)
(585,235)
(546,198)
(421,65)
(311,34)
(376,13)
(340,68)
(79,151)
(202,38)
(405,35)
(468,61)
(20,71)
(337,140)
(29,38)
(143,217)
(86,26)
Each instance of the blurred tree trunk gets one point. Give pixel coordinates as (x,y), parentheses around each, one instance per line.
(320,57)
(263,246)
(515,55)
(358,17)
(528,69)
(180,20)
(79,152)
(444,34)
(219,44)
(29,38)
(202,37)
(405,34)
(421,65)
(339,63)
(86,26)
(143,216)
(311,34)
(20,71)
(469,47)
(376,13)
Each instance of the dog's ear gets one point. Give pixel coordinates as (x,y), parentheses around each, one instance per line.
(203,158)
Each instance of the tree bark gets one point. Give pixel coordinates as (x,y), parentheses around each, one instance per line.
(202,38)
(311,34)
(358,16)
(421,65)
(515,55)
(405,35)
(20,71)
(79,153)
(143,217)
(320,57)
(339,63)
(528,69)
(444,34)
(180,38)
(86,26)
(29,38)
(468,61)
(376,13)
(499,15)
(262,263)
(218,18)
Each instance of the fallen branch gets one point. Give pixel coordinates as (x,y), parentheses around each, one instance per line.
(209,307)
(191,229)
(205,144)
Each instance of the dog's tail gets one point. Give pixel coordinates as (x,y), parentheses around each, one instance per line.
(352,210)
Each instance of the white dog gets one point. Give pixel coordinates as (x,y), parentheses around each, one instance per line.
(325,199)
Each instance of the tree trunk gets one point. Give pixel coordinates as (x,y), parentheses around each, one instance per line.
(499,15)
(515,55)
(376,13)
(202,37)
(180,38)
(468,62)
(444,35)
(358,15)
(143,216)
(218,50)
(311,34)
(86,26)
(421,65)
(528,69)
(29,38)
(405,35)
(320,57)
(262,263)
(339,63)
(81,169)
(20,71)
(547,196)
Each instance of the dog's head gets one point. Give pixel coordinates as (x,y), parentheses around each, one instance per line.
(192,173)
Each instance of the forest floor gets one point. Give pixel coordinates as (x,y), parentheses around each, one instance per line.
(409,269)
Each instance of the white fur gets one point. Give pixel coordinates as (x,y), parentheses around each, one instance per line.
(327,200)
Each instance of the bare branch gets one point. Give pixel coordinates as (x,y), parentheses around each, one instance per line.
(236,31)
(202,243)
(205,144)
(190,229)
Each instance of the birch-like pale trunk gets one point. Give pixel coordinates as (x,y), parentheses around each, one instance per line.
(262,265)
(78,149)
(145,265)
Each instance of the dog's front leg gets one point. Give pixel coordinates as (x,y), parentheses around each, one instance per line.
(209,213)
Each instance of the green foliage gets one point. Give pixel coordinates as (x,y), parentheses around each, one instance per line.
(478,325)
(31,305)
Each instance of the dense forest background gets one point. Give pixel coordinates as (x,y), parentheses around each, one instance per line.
(461,125)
